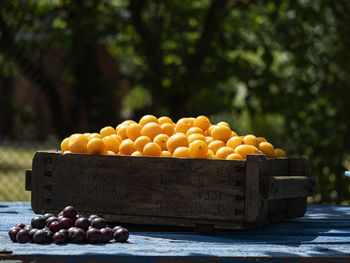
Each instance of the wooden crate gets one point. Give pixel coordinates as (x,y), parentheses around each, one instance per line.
(202,193)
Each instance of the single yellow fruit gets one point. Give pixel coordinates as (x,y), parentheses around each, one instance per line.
(233,142)
(126,147)
(133,131)
(261,139)
(221,132)
(109,130)
(122,131)
(167,128)
(268,149)
(147,119)
(202,122)
(96,146)
(177,140)
(165,119)
(151,149)
(195,136)
(215,145)
(280,152)
(223,152)
(209,139)
(224,123)
(161,140)
(151,130)
(141,142)
(251,140)
(233,134)
(128,122)
(193,130)
(210,154)
(183,152)
(95,135)
(64,144)
(165,154)
(246,149)
(111,143)
(198,149)
(234,156)
(183,125)
(120,139)
(110,153)
(136,153)
(78,143)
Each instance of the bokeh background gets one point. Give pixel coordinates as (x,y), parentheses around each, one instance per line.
(278,69)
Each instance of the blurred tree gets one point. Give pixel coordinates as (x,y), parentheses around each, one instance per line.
(282,64)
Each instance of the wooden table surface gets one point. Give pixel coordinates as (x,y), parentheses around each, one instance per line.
(322,235)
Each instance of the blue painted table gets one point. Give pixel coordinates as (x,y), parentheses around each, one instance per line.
(322,235)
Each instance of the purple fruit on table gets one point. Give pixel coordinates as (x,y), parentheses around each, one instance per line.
(92,217)
(50,220)
(55,226)
(70,212)
(60,238)
(77,235)
(13,233)
(23,236)
(98,223)
(94,235)
(78,216)
(121,235)
(82,223)
(64,231)
(107,234)
(48,215)
(28,227)
(20,225)
(66,222)
(31,233)
(42,236)
(116,228)
(38,222)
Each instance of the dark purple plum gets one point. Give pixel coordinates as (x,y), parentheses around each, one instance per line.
(94,235)
(23,236)
(31,233)
(78,216)
(60,238)
(13,233)
(77,236)
(116,228)
(64,231)
(50,220)
(66,222)
(38,222)
(70,212)
(42,236)
(48,215)
(121,235)
(98,223)
(82,223)
(28,227)
(60,214)
(20,225)
(55,226)
(92,217)
(107,234)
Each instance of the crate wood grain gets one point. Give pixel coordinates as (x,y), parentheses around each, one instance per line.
(202,193)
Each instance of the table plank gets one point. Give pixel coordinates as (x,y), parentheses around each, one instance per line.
(322,234)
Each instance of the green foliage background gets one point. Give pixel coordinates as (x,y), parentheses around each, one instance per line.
(278,69)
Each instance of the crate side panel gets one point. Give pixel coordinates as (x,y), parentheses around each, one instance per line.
(147,186)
